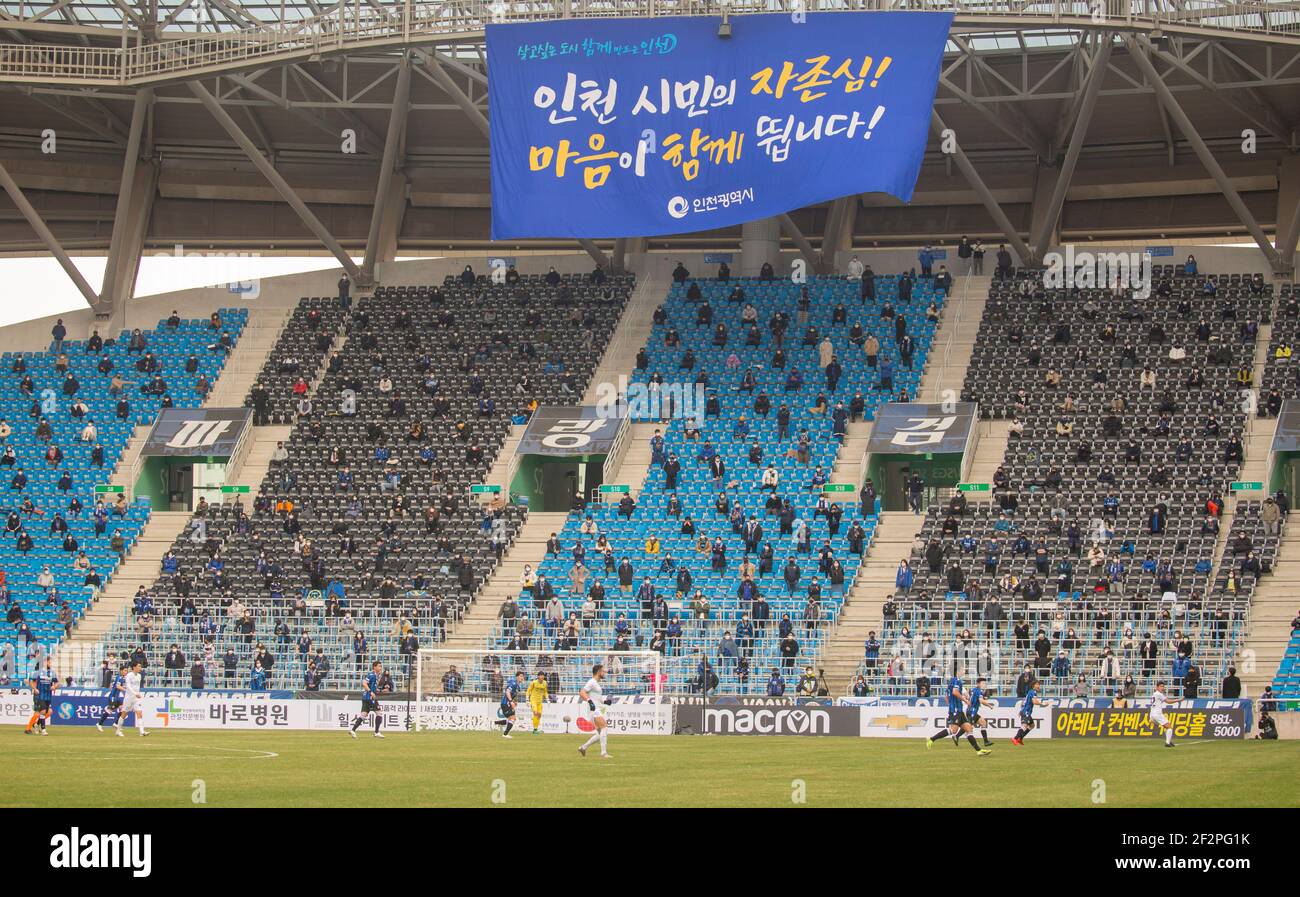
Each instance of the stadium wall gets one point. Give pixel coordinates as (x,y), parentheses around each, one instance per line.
(285,291)
(272,292)
(182,709)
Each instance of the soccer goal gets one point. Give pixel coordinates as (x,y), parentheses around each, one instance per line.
(462,688)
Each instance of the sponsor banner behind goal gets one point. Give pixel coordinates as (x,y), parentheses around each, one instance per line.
(1070,722)
(164,709)
(222,712)
(624,717)
(715,719)
(879,721)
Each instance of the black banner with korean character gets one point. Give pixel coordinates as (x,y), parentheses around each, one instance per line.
(569,432)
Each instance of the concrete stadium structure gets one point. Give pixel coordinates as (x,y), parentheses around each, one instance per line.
(218,124)
(214,123)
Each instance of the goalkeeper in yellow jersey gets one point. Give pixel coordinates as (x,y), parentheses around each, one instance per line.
(537,692)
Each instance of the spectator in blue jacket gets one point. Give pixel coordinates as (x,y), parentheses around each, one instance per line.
(257,679)
(926,259)
(775,684)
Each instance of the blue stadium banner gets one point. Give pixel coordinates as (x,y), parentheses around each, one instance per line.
(643,127)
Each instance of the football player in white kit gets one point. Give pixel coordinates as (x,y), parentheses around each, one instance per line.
(1157,713)
(592,707)
(132,702)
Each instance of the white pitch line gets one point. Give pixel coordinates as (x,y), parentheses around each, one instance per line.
(249,754)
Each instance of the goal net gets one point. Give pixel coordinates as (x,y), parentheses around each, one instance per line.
(461,689)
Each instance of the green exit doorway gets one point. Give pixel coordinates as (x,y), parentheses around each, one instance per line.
(551,484)
(175,483)
(890,473)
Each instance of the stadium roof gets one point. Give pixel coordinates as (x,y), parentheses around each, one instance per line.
(292,75)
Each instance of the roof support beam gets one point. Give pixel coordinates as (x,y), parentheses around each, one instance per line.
(452,89)
(1287,238)
(365,136)
(62,106)
(838,235)
(279,183)
(1247,107)
(618,261)
(594,251)
(806,250)
(1018,125)
(172,16)
(1277,123)
(1086,107)
(472,73)
(125,193)
(129,13)
(396,126)
(130,245)
(307,116)
(1069,108)
(1184,125)
(995,119)
(982,191)
(47,237)
(1288,209)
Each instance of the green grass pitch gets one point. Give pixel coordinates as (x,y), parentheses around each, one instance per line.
(80,767)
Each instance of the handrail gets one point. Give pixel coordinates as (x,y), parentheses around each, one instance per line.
(235,463)
(184,56)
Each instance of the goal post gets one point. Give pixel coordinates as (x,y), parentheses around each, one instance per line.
(458,688)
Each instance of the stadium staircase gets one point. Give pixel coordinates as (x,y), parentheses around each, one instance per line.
(529,547)
(255,345)
(499,474)
(78,656)
(992,448)
(264,439)
(890,543)
(954,340)
(631,333)
(1277,597)
(636,463)
(893,541)
(1274,602)
(1272,608)
(258,460)
(163,527)
(130,454)
(848,463)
